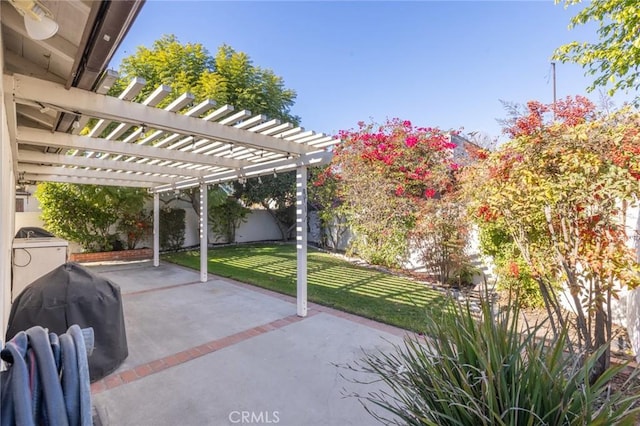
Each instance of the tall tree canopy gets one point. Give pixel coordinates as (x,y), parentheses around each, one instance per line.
(615,57)
(229,77)
(561,190)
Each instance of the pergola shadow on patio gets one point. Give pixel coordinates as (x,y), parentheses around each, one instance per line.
(213,352)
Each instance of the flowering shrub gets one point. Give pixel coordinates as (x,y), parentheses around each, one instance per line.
(559,190)
(396,181)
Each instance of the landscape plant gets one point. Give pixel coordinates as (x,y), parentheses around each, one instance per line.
(172,227)
(513,275)
(467,370)
(276,194)
(87,214)
(226,213)
(135,226)
(229,77)
(561,189)
(614,58)
(324,196)
(396,184)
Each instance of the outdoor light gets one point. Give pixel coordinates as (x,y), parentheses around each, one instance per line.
(38,20)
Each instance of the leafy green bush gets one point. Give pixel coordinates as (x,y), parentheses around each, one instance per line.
(87,214)
(512,272)
(172,226)
(225,216)
(471,372)
(135,227)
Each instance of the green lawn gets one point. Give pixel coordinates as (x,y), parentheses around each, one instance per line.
(331,281)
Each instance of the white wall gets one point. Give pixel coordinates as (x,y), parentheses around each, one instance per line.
(260,226)
(7,204)
(633,296)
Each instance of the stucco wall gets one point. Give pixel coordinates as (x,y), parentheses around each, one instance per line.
(7,207)
(633,296)
(260,226)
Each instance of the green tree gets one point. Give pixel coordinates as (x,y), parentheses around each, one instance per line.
(225,214)
(87,214)
(172,226)
(229,77)
(615,57)
(276,194)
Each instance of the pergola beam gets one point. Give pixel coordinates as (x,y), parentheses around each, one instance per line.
(37,137)
(109,108)
(261,169)
(85,181)
(35,157)
(94,174)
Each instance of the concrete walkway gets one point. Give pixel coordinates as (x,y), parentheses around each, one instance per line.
(226,353)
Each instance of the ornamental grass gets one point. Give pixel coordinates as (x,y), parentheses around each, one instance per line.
(483,371)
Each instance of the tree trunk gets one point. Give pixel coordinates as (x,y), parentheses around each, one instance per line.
(284,232)
(600,335)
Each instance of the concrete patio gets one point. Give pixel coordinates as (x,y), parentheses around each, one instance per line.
(224,353)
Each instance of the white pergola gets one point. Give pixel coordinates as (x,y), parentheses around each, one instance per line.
(137,144)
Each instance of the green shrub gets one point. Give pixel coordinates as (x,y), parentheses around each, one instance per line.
(135,227)
(471,372)
(225,216)
(87,214)
(172,226)
(512,272)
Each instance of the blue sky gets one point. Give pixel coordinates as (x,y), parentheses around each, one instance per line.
(445,64)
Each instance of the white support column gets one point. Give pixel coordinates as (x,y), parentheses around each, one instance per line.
(203,233)
(156,229)
(301,239)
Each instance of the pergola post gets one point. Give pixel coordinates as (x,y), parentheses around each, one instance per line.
(301,240)
(203,233)
(156,229)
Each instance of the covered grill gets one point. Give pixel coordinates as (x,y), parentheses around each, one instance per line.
(72,294)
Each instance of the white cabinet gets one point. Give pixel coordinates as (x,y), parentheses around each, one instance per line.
(33,258)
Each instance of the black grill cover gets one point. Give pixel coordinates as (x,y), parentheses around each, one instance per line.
(71,294)
(33,232)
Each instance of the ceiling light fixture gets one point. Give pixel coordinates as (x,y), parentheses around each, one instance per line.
(38,20)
